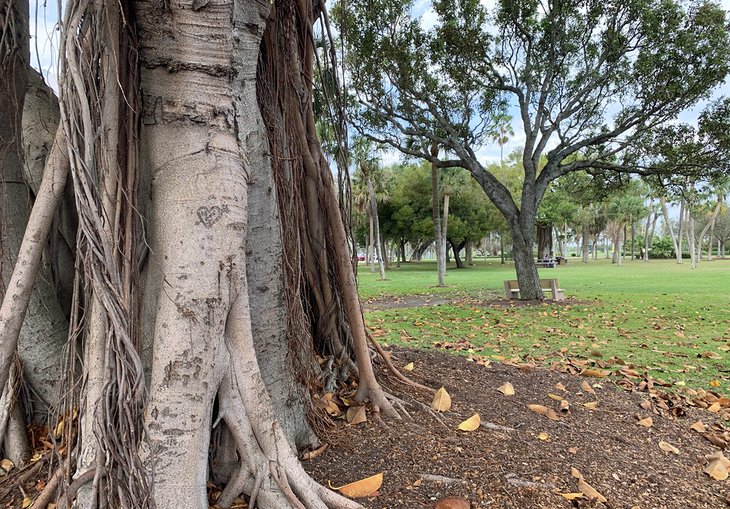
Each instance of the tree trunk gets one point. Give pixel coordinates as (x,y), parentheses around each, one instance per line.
(585,234)
(501,248)
(649,230)
(210,205)
(469,256)
(544,241)
(437,227)
(375,232)
(371,243)
(456,249)
(681,227)
(708,228)
(522,230)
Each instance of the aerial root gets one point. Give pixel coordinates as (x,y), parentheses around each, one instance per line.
(293,487)
(235,486)
(279,476)
(258,480)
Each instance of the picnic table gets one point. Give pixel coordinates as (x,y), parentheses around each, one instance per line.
(549,263)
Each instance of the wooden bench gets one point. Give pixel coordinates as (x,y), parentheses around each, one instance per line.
(512,289)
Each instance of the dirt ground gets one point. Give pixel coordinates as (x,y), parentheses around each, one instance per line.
(521,459)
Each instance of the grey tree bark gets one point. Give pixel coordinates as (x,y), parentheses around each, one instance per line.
(438,235)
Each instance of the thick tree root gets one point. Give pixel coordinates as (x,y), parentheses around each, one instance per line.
(247,410)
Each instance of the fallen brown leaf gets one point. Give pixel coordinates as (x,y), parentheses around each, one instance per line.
(361,488)
(310,455)
(453,503)
(571,496)
(594,373)
(507,389)
(586,387)
(356,415)
(717,470)
(590,492)
(543,410)
(441,401)
(667,447)
(471,423)
(647,422)
(564,406)
(699,426)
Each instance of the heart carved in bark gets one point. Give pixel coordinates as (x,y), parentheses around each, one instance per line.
(210,216)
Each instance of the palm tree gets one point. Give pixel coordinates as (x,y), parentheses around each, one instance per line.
(502,134)
(368,190)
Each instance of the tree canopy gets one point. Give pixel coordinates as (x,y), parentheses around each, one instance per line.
(586,77)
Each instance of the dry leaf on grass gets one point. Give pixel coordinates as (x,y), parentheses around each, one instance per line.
(543,436)
(667,447)
(594,373)
(555,397)
(441,401)
(7,465)
(471,423)
(361,488)
(507,389)
(710,355)
(409,366)
(543,410)
(591,405)
(714,408)
(560,387)
(564,406)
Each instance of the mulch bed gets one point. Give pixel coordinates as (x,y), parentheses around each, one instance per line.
(424,461)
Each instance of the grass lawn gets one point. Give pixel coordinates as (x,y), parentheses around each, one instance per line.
(660,317)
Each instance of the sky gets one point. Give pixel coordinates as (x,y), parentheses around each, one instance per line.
(44,49)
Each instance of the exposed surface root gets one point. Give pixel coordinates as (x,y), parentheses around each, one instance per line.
(391,367)
(402,404)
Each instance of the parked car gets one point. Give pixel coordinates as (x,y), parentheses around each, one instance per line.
(360,257)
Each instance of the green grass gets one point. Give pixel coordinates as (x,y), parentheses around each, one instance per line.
(660,317)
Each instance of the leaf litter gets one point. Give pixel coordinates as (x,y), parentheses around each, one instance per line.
(616,458)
